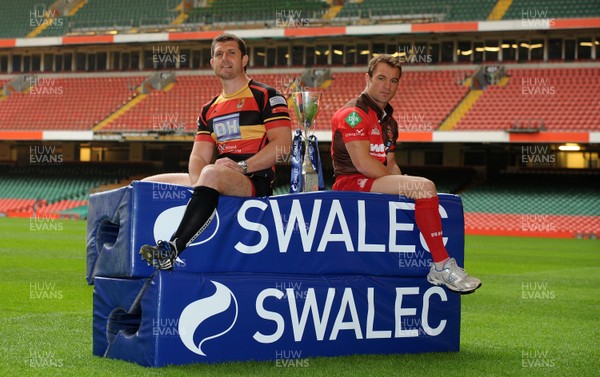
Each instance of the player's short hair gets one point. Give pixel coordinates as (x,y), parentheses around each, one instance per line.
(226,37)
(384,58)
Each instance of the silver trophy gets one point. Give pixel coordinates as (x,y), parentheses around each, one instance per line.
(306,105)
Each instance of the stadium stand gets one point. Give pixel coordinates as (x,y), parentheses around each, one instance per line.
(2,96)
(535,202)
(175,109)
(44,195)
(19,18)
(123,15)
(156,14)
(417,10)
(570,226)
(535,193)
(425,98)
(59,189)
(549,98)
(134,15)
(243,12)
(50,103)
(15,204)
(551,9)
(532,99)
(419,108)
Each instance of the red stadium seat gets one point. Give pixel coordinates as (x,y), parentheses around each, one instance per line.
(66,103)
(564,98)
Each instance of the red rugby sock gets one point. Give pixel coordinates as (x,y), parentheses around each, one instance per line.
(427,217)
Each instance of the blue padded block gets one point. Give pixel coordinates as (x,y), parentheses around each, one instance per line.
(110,297)
(109,231)
(327,232)
(206,318)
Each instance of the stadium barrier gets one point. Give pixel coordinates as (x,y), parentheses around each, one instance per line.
(282,278)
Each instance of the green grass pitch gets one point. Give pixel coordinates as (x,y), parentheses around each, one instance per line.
(537,313)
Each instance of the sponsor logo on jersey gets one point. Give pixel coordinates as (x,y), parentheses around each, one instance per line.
(277,100)
(359,132)
(353,119)
(279,110)
(227,127)
(377,148)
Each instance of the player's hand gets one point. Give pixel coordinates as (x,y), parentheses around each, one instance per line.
(227,162)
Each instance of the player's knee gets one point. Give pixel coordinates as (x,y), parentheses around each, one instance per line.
(418,188)
(429,189)
(212,176)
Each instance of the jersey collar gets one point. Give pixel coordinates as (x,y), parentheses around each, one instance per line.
(381,113)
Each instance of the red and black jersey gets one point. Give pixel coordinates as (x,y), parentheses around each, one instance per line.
(237,123)
(362,119)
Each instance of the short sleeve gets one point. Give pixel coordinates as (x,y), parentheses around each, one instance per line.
(275,112)
(203,132)
(353,124)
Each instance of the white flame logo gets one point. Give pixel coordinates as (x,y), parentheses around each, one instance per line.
(198,311)
(167,222)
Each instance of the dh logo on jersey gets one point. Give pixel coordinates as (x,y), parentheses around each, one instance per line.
(227,127)
(199,311)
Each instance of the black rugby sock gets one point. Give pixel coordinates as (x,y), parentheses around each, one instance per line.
(198,215)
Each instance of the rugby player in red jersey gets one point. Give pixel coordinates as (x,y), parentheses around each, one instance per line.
(364,135)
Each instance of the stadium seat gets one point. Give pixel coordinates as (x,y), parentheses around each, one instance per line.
(66,103)
(19,18)
(179,107)
(417,10)
(56,189)
(103,15)
(243,12)
(418,105)
(558,98)
(552,9)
